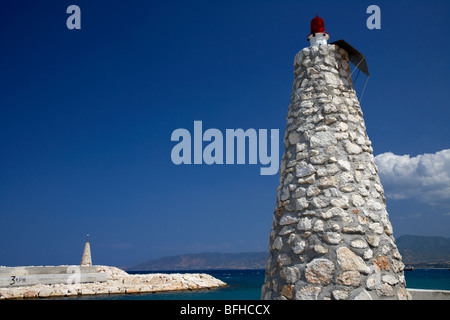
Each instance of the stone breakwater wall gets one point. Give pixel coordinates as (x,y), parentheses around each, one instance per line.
(331,237)
(117,282)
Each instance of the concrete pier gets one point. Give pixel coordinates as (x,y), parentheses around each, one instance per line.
(422,294)
(117,282)
(33,275)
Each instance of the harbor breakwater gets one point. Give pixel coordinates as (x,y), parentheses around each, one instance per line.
(116,281)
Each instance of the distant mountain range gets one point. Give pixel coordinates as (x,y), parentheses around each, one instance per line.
(205,261)
(424,252)
(418,251)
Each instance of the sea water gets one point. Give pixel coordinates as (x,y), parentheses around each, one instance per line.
(436,279)
(246,285)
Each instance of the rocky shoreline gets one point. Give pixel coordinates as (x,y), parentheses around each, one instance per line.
(117,282)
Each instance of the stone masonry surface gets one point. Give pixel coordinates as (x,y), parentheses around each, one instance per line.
(331,237)
(118,282)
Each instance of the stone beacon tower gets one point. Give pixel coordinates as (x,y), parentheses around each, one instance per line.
(86,259)
(331,238)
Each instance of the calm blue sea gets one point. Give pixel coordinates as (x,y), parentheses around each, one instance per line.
(246,285)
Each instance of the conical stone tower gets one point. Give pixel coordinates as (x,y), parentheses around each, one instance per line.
(331,237)
(86,259)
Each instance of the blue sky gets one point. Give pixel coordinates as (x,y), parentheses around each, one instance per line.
(86,118)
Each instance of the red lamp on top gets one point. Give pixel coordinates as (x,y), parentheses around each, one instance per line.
(318,34)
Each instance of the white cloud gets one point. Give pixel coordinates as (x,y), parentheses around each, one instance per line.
(425,177)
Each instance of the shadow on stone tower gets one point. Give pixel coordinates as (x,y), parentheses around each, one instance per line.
(331,237)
